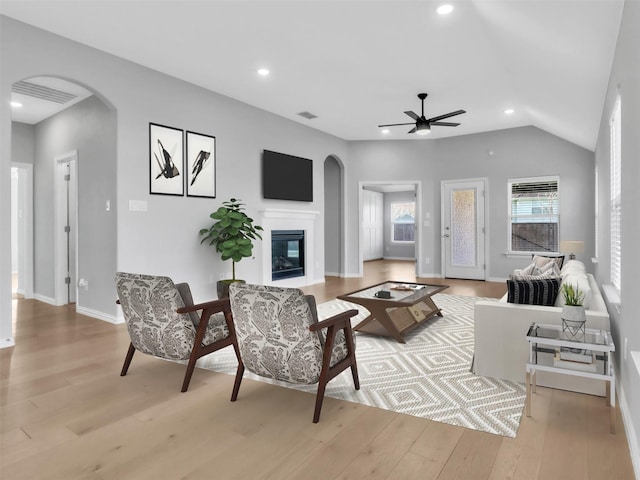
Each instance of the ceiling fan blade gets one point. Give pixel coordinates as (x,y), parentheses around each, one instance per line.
(413,130)
(396,124)
(413,115)
(446,115)
(445,124)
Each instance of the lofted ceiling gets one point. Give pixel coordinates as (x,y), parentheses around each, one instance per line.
(356,64)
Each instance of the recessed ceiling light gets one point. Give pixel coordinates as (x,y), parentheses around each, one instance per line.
(385,131)
(263,72)
(445,9)
(16,104)
(509,111)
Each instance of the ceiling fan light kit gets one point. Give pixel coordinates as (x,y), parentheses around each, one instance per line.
(423,129)
(422,125)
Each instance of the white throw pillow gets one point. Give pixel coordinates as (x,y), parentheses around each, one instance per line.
(550,270)
(573,266)
(531,269)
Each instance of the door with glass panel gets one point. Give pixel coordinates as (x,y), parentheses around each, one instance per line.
(463,229)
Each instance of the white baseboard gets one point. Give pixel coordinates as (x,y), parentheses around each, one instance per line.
(496,279)
(42,298)
(351,275)
(406,259)
(430,275)
(99,315)
(632,437)
(7,342)
(331,274)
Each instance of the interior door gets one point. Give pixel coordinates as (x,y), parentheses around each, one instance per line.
(463,229)
(372,225)
(65,232)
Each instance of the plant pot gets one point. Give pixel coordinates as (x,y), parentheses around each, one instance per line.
(223,287)
(573,322)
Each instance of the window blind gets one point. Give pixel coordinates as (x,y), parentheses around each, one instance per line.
(534,206)
(616,203)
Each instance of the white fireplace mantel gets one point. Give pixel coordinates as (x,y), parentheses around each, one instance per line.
(284,219)
(277,213)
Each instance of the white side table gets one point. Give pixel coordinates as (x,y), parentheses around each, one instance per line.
(545,343)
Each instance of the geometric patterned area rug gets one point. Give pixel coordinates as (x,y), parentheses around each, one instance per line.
(428,376)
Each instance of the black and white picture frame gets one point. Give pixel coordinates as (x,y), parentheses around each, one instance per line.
(201,165)
(166,161)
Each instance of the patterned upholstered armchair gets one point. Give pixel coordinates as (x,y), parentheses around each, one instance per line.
(279,337)
(163,321)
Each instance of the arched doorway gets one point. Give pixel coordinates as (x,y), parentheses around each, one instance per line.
(58,129)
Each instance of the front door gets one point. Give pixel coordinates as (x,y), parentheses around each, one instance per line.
(463,229)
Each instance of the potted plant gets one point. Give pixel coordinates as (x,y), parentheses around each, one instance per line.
(232,235)
(573,315)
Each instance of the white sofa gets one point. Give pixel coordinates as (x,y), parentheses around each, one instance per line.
(501,347)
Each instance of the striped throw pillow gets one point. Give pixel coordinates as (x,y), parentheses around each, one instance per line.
(533,292)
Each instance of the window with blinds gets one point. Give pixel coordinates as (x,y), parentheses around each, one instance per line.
(534,211)
(615,132)
(403,220)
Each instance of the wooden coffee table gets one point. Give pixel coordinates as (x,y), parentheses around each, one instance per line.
(410,305)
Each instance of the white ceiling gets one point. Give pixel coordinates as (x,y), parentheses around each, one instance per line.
(357,64)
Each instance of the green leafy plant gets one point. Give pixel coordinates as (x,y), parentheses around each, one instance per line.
(233,232)
(572,295)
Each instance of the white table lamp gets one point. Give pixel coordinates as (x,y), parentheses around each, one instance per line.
(572,247)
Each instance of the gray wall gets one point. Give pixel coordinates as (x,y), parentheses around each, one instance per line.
(332,217)
(518,152)
(22,142)
(396,250)
(90,128)
(625,323)
(22,151)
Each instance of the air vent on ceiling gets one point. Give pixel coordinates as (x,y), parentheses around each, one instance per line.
(308,115)
(41,92)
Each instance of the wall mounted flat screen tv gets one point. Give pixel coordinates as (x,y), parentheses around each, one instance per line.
(285,177)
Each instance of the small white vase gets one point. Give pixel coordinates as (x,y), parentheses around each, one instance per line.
(575,313)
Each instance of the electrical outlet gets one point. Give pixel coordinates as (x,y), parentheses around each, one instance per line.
(427,260)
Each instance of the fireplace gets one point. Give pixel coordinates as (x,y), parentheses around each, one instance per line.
(273,220)
(287,254)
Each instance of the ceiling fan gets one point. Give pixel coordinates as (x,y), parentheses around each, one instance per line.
(422,124)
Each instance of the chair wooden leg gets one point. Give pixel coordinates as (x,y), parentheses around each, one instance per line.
(190,367)
(351,349)
(354,374)
(127,360)
(319,399)
(236,384)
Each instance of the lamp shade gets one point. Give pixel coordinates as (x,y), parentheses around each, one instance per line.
(571,247)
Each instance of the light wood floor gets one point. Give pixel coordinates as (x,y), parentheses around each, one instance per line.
(67,414)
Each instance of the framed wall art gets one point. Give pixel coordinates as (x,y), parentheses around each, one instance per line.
(201,165)
(166,176)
